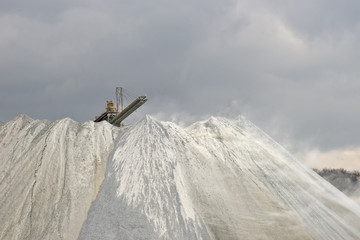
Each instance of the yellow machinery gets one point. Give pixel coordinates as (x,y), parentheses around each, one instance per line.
(110,106)
(115,115)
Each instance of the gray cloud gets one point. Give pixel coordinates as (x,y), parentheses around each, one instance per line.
(288,66)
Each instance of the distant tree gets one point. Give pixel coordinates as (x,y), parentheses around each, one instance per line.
(352,175)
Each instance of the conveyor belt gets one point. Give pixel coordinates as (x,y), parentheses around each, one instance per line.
(105,116)
(118,118)
(102,117)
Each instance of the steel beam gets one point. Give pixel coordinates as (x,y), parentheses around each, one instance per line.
(118,118)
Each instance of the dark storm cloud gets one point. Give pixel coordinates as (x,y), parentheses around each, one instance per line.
(290,66)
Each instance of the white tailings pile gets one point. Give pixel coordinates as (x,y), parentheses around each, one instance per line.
(50,172)
(217,179)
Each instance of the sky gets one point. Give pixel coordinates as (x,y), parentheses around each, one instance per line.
(291,67)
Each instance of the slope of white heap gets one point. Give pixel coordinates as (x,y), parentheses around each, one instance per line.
(217,179)
(50,172)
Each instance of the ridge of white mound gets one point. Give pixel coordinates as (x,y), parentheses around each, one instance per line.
(216,179)
(50,173)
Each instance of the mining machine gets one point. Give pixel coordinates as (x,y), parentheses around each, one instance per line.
(114,115)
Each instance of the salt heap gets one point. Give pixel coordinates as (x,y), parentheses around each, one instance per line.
(216,179)
(50,174)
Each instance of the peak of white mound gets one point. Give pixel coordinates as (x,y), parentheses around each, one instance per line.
(141,184)
(22,117)
(11,128)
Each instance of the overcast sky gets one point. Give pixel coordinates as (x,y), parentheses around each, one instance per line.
(292,67)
